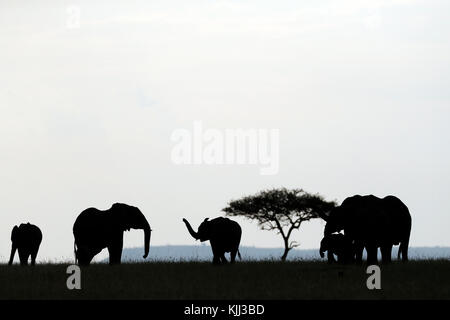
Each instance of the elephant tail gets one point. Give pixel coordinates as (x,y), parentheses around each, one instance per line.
(239,255)
(75,252)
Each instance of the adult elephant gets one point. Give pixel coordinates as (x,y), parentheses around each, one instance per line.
(26,239)
(223,234)
(95,230)
(372,223)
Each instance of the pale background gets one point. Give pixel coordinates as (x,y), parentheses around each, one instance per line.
(358,89)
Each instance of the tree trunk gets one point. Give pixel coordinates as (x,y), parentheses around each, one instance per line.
(286,250)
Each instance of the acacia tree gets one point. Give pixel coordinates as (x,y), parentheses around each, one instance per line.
(281,209)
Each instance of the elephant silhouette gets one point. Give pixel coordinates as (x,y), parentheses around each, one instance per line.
(223,234)
(95,230)
(26,239)
(372,223)
(339,245)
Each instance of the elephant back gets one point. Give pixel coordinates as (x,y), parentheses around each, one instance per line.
(227,224)
(370,217)
(90,227)
(227,232)
(363,216)
(28,234)
(398,218)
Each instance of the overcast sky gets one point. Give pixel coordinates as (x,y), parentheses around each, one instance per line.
(91,92)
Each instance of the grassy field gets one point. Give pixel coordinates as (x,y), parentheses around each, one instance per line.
(245,280)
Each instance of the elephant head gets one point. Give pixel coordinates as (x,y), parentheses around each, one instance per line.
(126,217)
(204,230)
(343,216)
(337,244)
(335,220)
(329,243)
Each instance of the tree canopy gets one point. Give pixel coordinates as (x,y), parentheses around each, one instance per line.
(283,210)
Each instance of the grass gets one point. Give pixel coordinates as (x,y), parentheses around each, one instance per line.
(245,280)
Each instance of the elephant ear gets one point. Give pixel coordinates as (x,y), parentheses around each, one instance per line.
(14,233)
(333,213)
(324,215)
(206,229)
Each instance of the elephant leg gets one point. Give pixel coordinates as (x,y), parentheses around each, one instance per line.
(115,250)
(233,256)
(216,259)
(358,252)
(33,257)
(347,258)
(330,257)
(86,260)
(223,259)
(403,249)
(389,252)
(339,252)
(386,253)
(372,254)
(23,256)
(85,256)
(13,253)
(216,254)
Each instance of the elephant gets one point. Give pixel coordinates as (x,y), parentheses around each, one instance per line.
(95,230)
(339,245)
(372,223)
(26,239)
(223,234)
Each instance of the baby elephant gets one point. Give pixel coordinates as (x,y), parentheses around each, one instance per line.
(26,238)
(339,245)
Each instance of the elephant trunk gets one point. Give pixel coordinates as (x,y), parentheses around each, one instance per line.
(191,231)
(323,247)
(322,253)
(147,234)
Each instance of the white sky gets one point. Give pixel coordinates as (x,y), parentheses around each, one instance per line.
(358,89)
